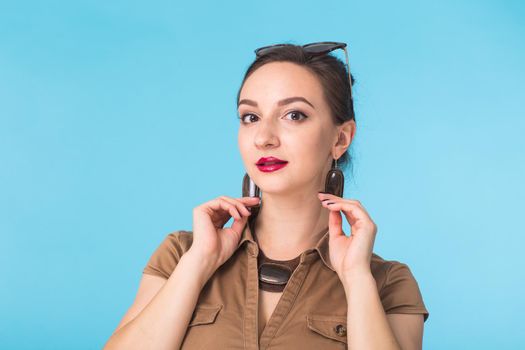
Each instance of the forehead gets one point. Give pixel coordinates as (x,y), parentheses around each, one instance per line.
(277,80)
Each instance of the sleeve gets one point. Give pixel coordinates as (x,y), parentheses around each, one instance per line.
(165,258)
(400,292)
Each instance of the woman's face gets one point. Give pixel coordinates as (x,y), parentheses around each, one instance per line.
(296,132)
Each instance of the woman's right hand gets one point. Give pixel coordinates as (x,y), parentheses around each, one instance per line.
(211,242)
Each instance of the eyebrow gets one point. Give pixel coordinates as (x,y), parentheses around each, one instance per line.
(279,103)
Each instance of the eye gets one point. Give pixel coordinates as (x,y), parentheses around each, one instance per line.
(246,115)
(297,113)
(296,116)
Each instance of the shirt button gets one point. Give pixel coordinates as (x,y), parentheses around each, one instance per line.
(340,330)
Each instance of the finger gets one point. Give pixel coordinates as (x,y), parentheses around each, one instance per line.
(326,196)
(238,204)
(220,204)
(250,201)
(350,201)
(335,224)
(238,226)
(353,212)
(232,209)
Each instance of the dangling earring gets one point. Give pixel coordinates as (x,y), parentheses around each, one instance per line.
(335,180)
(250,189)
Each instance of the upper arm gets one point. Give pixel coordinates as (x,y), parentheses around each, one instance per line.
(149,287)
(159,268)
(408,330)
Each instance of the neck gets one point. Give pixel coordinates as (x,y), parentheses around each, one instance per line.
(288,224)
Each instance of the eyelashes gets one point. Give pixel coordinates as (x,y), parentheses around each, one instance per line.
(294,112)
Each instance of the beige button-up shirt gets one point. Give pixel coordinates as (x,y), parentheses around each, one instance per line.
(311,313)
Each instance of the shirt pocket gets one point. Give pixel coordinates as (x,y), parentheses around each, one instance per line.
(328,326)
(205,314)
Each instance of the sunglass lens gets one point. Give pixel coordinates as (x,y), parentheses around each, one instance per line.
(319,48)
(264,50)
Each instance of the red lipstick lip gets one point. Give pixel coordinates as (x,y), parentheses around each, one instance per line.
(263,160)
(271,167)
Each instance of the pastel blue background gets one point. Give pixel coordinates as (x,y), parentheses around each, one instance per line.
(117,118)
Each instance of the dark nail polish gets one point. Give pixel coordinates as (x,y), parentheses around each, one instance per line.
(326,199)
(329,203)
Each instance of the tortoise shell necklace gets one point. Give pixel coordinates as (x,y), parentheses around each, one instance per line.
(273,274)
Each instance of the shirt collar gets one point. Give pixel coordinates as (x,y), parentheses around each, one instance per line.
(321,247)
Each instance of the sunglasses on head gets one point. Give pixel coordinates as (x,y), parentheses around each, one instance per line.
(313,49)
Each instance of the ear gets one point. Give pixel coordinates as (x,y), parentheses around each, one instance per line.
(345,135)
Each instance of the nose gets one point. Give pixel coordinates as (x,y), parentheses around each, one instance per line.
(266,135)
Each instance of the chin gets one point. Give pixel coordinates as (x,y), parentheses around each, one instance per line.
(278,186)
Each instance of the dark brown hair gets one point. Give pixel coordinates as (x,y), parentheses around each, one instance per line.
(332,75)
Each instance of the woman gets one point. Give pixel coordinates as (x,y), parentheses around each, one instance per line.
(284,275)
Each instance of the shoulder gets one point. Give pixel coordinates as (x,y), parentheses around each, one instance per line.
(379,267)
(166,256)
(182,238)
(178,242)
(398,288)
(387,271)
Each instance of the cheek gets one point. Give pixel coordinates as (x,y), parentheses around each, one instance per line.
(315,139)
(243,141)
(309,147)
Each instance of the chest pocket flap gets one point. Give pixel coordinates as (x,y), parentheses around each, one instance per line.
(333,327)
(205,314)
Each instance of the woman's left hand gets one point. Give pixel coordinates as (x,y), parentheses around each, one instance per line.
(351,254)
